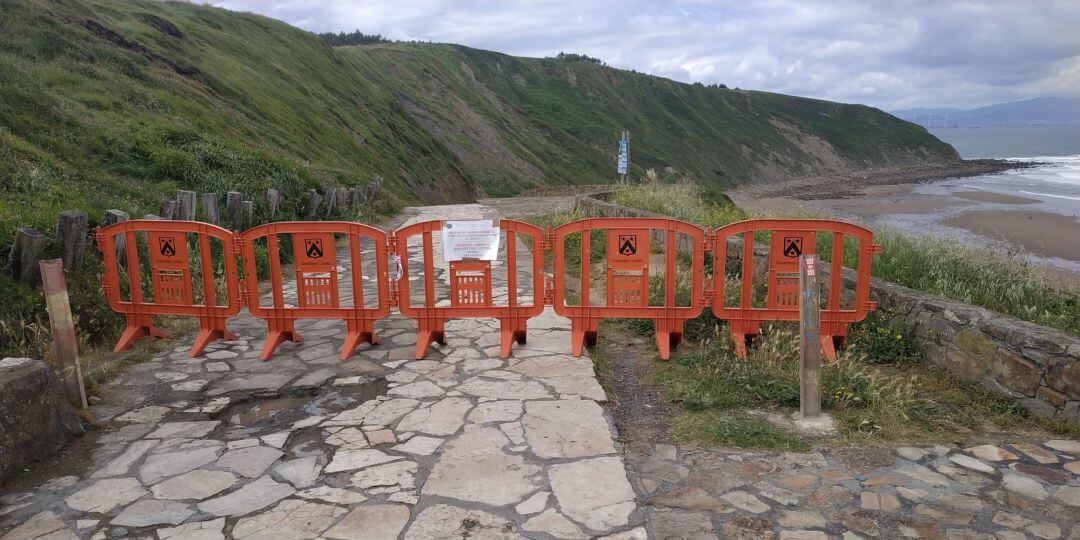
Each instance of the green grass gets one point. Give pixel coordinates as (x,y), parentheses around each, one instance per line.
(872,402)
(117,104)
(1002,282)
(683,200)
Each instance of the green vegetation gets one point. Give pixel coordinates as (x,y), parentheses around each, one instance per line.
(117,104)
(872,403)
(1006,283)
(684,200)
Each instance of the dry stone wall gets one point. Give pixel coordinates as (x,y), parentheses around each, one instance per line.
(1037,365)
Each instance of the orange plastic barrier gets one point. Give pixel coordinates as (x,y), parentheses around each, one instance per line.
(791,238)
(316,266)
(470,287)
(627,278)
(170,278)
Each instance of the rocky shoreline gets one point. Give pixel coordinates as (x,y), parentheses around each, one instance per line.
(850,184)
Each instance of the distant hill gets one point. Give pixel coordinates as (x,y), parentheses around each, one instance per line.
(116,104)
(1033,111)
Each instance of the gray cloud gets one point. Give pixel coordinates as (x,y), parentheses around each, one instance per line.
(889,54)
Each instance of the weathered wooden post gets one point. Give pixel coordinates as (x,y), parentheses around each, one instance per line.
(809,338)
(331,200)
(313,202)
(354,198)
(169,209)
(234,207)
(187,205)
(112,217)
(272,200)
(210,208)
(26,250)
(71,234)
(248,211)
(65,345)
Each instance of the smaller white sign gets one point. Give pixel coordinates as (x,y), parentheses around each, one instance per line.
(478,240)
(624,156)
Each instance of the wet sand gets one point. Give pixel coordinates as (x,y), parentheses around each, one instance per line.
(990,197)
(1041,233)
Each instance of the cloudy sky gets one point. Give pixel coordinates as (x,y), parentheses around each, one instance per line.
(889,54)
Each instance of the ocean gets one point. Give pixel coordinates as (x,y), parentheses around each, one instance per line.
(1055,183)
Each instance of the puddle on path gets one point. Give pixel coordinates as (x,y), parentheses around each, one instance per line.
(251,413)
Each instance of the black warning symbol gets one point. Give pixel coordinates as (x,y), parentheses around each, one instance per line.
(313,247)
(167,246)
(792,246)
(627,244)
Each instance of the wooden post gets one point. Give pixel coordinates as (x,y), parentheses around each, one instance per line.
(112,217)
(809,343)
(187,205)
(71,234)
(248,211)
(234,207)
(314,200)
(272,200)
(331,200)
(354,197)
(210,208)
(26,250)
(65,346)
(170,209)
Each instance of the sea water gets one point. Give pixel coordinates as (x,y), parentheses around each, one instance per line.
(1054,181)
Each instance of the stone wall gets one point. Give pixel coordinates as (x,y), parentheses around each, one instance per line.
(36,420)
(1037,365)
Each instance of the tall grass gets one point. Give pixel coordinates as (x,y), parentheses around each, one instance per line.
(684,200)
(872,403)
(1002,282)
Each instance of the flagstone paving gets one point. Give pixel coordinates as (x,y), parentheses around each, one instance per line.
(464,444)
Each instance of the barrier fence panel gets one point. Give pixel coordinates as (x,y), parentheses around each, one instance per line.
(470,284)
(170,272)
(789,239)
(627,272)
(316,266)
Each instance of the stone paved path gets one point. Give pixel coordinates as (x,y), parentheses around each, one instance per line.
(461,444)
(1007,492)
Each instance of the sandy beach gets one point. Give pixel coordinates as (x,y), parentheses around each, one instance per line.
(948,205)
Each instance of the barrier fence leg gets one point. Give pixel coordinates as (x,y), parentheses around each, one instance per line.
(668,336)
(138,325)
(211,329)
(429,331)
(278,332)
(828,347)
(582,333)
(511,330)
(357,332)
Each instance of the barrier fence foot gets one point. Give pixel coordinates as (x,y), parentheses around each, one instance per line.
(510,332)
(582,334)
(353,340)
(206,336)
(828,347)
(429,332)
(739,339)
(666,341)
(132,333)
(275,338)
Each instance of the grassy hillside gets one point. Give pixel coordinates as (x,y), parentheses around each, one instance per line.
(117,104)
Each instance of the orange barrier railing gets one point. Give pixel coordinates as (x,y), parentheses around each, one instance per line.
(470,286)
(789,239)
(170,278)
(627,258)
(628,267)
(317,280)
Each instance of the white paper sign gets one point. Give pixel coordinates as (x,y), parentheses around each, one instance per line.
(477,239)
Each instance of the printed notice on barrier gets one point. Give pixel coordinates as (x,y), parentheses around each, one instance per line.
(478,240)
